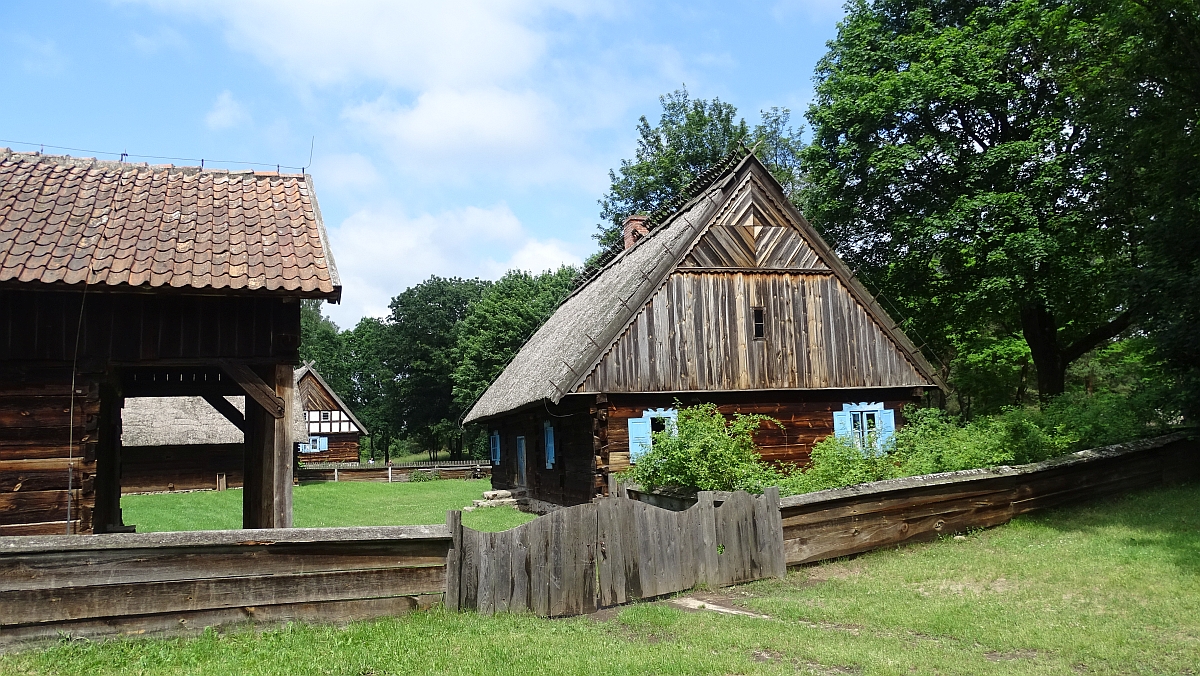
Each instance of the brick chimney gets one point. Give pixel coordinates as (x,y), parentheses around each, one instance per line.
(634,229)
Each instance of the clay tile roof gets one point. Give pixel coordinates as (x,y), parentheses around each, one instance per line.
(65,220)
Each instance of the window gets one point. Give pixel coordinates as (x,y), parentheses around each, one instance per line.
(316,444)
(548,433)
(324,415)
(641,429)
(760,322)
(494,440)
(869,425)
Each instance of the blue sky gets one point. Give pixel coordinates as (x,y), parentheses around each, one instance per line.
(452,138)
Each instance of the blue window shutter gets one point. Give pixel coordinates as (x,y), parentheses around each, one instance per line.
(887,428)
(841,424)
(495,442)
(548,430)
(324,443)
(639,438)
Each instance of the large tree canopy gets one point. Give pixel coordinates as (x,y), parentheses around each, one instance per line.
(691,136)
(1137,67)
(950,167)
(498,325)
(425,326)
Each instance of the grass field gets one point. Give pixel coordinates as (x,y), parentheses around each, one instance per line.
(1110,588)
(344,503)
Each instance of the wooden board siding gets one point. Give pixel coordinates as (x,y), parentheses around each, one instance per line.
(39,448)
(740,246)
(573,479)
(807,417)
(181,468)
(313,397)
(133,327)
(696,334)
(342,448)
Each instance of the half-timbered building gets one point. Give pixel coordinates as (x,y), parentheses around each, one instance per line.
(121,280)
(732,298)
(333,431)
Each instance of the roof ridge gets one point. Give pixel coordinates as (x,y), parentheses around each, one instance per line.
(702,182)
(10,155)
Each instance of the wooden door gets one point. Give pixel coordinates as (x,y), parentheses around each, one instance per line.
(521,462)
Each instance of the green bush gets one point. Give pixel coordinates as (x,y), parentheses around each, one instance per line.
(705,452)
(419,476)
(708,452)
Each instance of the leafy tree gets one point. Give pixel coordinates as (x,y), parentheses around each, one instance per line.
(499,323)
(951,168)
(322,343)
(422,353)
(373,381)
(1137,68)
(691,136)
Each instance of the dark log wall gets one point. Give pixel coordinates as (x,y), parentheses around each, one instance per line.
(131,327)
(342,448)
(807,417)
(194,467)
(697,333)
(38,448)
(573,479)
(123,342)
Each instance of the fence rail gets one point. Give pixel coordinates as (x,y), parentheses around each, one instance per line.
(139,582)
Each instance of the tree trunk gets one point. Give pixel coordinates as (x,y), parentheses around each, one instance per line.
(1041,333)
(1051,362)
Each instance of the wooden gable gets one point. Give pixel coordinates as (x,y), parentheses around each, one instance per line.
(314,396)
(753,232)
(697,331)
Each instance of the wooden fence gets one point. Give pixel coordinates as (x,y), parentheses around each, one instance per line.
(572,561)
(392,474)
(613,551)
(145,582)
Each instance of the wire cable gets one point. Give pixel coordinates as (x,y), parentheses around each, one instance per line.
(124,155)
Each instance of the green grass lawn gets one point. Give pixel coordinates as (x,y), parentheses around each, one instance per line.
(344,503)
(1109,588)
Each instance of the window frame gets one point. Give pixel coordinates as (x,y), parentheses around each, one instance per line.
(758,321)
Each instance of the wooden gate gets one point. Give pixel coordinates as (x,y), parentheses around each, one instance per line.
(613,551)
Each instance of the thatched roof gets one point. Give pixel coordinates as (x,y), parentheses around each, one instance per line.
(559,357)
(177,421)
(562,351)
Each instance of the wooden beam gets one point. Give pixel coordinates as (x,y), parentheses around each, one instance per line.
(254,387)
(228,410)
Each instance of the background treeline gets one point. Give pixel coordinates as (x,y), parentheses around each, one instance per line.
(412,376)
(1017,180)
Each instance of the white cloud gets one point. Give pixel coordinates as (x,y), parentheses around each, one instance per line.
(538,256)
(381,252)
(474,131)
(412,45)
(226,113)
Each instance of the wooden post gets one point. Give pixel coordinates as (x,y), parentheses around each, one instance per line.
(454,561)
(774,530)
(706,558)
(267,491)
(107,515)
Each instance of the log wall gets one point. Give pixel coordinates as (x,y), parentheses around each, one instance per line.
(134,327)
(147,469)
(47,467)
(139,583)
